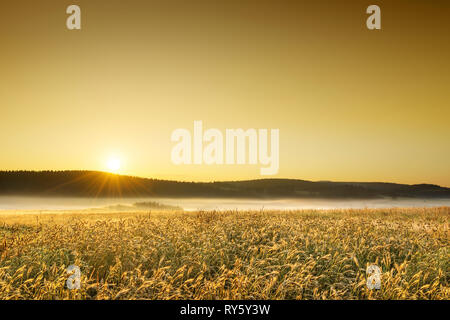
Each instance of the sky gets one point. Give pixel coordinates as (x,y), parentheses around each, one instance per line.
(351,104)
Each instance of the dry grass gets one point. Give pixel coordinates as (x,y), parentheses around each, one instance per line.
(226,255)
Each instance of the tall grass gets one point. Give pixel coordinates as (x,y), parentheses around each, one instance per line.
(227,255)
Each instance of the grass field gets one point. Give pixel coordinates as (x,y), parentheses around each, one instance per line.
(226,255)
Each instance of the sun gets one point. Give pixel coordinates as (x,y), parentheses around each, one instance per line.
(113,164)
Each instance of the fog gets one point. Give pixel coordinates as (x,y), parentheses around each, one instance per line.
(190,204)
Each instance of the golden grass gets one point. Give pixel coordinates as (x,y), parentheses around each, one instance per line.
(226,255)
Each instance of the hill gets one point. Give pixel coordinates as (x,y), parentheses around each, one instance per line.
(101,184)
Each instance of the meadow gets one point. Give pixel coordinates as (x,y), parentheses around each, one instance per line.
(308,254)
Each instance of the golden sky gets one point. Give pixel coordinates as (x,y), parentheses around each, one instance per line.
(351,104)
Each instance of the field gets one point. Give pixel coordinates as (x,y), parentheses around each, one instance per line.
(226,255)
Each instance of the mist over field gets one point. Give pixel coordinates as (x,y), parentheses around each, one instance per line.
(192,204)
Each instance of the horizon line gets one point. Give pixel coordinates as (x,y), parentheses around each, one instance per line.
(216,181)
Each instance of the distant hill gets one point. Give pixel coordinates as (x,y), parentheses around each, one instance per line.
(101,184)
